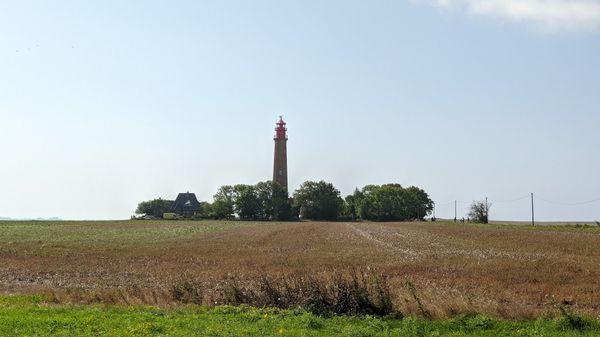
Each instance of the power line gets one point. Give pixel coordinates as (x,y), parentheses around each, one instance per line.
(529,196)
(567,203)
(452,202)
(526,197)
(493,200)
(512,200)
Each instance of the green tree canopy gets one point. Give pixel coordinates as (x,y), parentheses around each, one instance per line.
(246,202)
(206,210)
(274,200)
(390,202)
(419,201)
(155,207)
(318,201)
(264,201)
(352,205)
(479,211)
(223,205)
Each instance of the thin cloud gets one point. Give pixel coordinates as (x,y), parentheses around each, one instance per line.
(542,15)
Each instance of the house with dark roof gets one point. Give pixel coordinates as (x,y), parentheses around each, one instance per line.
(185,205)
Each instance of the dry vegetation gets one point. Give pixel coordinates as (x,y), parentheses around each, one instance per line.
(437,270)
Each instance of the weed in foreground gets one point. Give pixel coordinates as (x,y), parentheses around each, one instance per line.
(350,293)
(571,321)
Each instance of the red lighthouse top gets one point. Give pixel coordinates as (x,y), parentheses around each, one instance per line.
(280,129)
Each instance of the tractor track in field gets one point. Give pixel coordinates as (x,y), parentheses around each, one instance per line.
(409,253)
(414,245)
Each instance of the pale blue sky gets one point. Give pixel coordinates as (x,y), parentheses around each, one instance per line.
(107,103)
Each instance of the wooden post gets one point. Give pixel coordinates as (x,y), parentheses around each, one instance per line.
(532,212)
(454,210)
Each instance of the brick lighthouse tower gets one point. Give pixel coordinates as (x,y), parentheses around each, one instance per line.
(280,162)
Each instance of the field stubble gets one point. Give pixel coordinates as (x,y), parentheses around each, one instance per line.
(432,269)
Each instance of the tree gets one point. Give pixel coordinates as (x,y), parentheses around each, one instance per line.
(155,207)
(264,201)
(223,205)
(206,210)
(479,211)
(390,202)
(352,203)
(419,202)
(274,200)
(246,203)
(366,203)
(318,200)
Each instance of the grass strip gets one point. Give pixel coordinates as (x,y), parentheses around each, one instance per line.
(34,315)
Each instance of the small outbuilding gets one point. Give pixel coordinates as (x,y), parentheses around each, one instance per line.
(185,205)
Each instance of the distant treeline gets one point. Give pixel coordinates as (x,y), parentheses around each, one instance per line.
(313,200)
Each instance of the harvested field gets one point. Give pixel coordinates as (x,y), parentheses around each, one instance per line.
(433,269)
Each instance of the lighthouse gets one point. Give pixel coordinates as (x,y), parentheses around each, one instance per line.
(280,174)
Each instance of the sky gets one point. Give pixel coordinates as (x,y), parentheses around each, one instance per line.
(104,104)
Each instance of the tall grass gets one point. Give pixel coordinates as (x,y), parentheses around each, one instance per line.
(349,293)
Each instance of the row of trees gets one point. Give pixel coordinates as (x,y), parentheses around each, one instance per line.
(263,201)
(313,200)
(389,202)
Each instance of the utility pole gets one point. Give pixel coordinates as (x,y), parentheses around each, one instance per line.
(532,212)
(487,218)
(454,210)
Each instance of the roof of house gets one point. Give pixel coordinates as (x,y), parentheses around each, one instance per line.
(186,202)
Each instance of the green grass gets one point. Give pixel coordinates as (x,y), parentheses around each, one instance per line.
(34,315)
